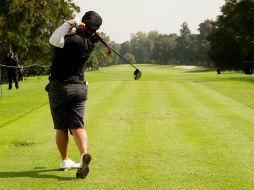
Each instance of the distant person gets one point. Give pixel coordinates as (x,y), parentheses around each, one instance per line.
(218,70)
(20,69)
(67,89)
(12,65)
(20,72)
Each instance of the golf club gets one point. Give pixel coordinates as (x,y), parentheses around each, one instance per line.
(137,73)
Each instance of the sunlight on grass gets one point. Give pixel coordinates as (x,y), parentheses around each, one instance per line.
(172,129)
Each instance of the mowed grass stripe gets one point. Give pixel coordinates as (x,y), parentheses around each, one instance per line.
(187,152)
(140,158)
(233,132)
(128,151)
(100,105)
(106,130)
(161,132)
(236,168)
(141,162)
(109,135)
(30,155)
(165,142)
(17,103)
(200,129)
(228,108)
(189,167)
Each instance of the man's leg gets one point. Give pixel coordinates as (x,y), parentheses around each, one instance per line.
(9,79)
(16,82)
(15,79)
(62,141)
(80,137)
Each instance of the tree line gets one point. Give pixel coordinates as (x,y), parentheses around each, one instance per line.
(156,48)
(232,39)
(226,43)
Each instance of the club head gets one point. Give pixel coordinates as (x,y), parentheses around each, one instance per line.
(137,74)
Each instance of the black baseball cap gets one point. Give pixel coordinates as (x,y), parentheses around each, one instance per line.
(92,20)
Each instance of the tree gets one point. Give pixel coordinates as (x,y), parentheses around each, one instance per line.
(114,59)
(164,49)
(141,47)
(100,52)
(203,45)
(232,40)
(125,48)
(92,63)
(25,26)
(129,57)
(183,48)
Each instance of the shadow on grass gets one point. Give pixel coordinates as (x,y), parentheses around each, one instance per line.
(243,79)
(240,77)
(36,173)
(22,115)
(229,79)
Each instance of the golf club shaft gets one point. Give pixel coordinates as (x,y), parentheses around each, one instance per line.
(122,57)
(105,44)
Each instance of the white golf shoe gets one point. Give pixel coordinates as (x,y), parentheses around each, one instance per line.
(69,164)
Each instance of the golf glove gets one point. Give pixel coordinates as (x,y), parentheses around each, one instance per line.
(74,22)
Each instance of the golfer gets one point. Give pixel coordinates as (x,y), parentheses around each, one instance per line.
(74,42)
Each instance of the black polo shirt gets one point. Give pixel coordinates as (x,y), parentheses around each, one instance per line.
(69,62)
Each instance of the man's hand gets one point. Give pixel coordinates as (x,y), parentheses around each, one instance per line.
(73,23)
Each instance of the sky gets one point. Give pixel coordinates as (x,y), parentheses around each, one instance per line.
(121,18)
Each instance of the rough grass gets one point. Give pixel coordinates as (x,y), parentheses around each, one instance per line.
(173,129)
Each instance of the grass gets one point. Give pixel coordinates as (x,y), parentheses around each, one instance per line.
(173,129)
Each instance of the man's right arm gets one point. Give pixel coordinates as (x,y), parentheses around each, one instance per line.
(57,38)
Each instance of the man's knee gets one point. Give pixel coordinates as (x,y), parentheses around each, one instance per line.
(62,131)
(79,132)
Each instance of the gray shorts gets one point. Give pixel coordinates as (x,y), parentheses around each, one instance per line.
(67,104)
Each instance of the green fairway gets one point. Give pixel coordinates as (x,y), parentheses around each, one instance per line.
(172,129)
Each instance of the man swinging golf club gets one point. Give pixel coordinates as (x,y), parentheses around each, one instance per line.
(67,90)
